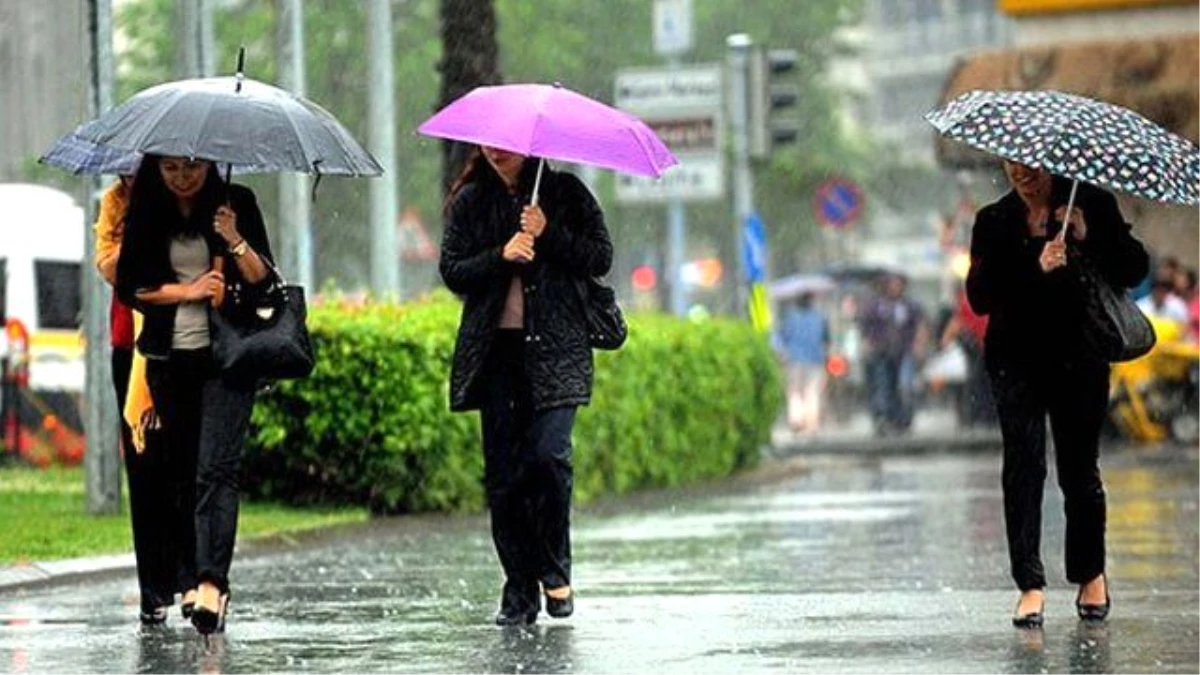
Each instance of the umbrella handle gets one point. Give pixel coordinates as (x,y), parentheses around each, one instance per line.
(1062,235)
(241,68)
(537,182)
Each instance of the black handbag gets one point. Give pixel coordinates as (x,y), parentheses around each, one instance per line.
(605,322)
(1115,329)
(265,335)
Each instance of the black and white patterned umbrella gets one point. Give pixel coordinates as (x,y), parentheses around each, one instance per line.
(1076,137)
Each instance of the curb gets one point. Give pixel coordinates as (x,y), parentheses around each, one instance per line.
(920,444)
(32,575)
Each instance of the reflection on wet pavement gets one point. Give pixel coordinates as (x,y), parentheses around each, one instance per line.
(895,565)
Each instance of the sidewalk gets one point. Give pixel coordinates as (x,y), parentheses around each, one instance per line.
(933,432)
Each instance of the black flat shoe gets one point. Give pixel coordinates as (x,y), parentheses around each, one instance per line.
(507,617)
(1030,620)
(560,608)
(1093,612)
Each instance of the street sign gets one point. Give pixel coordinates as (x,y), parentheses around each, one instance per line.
(683,106)
(672,27)
(837,203)
(686,87)
(696,177)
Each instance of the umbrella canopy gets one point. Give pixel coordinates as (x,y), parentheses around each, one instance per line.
(232,120)
(74,154)
(77,155)
(1078,138)
(552,122)
(799,284)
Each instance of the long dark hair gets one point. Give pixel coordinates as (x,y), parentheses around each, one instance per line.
(477,169)
(153,210)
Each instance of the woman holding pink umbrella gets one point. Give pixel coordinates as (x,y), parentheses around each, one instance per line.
(523,358)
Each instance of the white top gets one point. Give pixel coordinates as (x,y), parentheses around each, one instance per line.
(190,258)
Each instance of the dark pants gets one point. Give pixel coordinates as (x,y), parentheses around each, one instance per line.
(1076,398)
(889,406)
(207,419)
(528,476)
(153,507)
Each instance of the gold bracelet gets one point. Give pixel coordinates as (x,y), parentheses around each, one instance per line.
(240,249)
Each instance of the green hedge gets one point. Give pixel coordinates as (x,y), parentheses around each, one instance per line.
(681,401)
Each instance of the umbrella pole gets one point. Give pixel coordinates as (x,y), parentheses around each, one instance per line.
(537,182)
(1070,205)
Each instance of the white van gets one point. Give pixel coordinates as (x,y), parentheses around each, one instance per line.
(41,257)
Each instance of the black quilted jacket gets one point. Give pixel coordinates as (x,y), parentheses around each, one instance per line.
(480,221)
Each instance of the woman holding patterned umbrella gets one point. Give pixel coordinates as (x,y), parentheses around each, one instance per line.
(1050,263)
(1038,363)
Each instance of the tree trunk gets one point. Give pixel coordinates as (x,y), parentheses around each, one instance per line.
(470,58)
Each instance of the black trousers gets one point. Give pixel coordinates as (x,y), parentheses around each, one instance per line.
(153,510)
(528,476)
(1075,395)
(207,419)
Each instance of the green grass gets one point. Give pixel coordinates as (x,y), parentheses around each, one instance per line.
(43,516)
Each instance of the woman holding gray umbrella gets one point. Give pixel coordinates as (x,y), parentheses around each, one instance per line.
(189,235)
(523,358)
(1038,362)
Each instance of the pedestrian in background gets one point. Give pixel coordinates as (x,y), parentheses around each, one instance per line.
(803,338)
(1038,362)
(891,325)
(155,533)
(522,357)
(184,225)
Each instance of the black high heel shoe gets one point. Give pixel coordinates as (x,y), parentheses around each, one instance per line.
(153,617)
(1032,619)
(509,617)
(207,621)
(560,608)
(1090,612)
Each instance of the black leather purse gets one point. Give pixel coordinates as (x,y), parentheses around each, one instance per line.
(1115,328)
(605,322)
(264,336)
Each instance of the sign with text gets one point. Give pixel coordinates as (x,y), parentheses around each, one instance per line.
(672,27)
(683,107)
(685,87)
(696,177)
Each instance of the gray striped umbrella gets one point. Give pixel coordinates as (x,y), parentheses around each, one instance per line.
(232,120)
(1076,137)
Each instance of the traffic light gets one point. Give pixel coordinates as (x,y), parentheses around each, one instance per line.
(768,98)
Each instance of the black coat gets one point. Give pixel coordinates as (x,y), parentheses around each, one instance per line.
(145,265)
(1036,317)
(575,244)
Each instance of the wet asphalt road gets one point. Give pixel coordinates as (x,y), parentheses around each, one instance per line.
(857,565)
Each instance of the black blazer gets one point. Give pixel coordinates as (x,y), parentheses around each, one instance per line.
(1036,317)
(575,245)
(145,265)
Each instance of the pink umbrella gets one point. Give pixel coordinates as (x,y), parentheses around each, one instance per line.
(552,122)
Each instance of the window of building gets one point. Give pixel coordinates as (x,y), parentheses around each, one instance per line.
(59,303)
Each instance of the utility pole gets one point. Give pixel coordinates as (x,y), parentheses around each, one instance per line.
(295,215)
(195,53)
(102,466)
(385,207)
(738,48)
(676,240)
